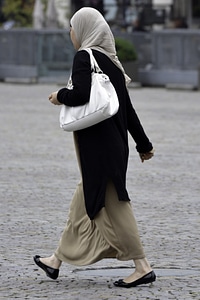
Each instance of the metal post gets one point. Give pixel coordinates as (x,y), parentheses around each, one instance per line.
(189,13)
(198,83)
(124,11)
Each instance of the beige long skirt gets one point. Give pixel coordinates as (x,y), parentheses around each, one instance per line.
(112,234)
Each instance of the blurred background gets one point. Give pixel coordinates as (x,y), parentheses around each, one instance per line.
(121,13)
(164,36)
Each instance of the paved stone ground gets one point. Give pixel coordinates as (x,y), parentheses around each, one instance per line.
(39,174)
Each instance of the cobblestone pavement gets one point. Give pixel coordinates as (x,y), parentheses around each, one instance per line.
(39,174)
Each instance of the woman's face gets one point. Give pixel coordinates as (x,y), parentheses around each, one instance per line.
(73,39)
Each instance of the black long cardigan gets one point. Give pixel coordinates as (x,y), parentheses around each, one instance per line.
(104,147)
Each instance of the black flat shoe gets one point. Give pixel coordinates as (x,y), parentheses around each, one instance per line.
(50,272)
(148,278)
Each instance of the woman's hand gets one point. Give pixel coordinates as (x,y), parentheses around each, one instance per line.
(147,155)
(53,99)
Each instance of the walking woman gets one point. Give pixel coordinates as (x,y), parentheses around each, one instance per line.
(101,223)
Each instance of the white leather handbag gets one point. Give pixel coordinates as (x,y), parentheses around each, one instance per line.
(103,102)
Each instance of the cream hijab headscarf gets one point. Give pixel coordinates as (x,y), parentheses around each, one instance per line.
(92,31)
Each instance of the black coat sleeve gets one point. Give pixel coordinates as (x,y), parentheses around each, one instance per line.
(81,79)
(136,130)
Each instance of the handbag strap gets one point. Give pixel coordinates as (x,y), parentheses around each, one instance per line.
(94,65)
